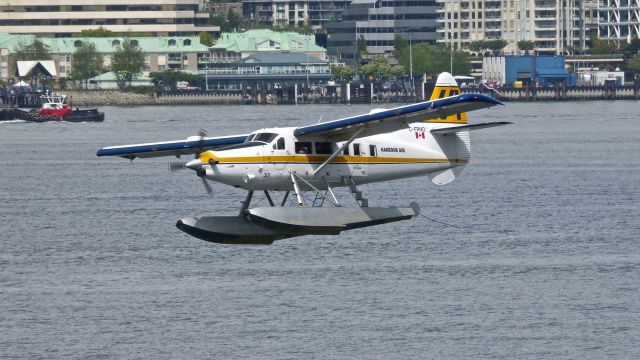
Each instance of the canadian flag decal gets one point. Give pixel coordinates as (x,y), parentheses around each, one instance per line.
(420,134)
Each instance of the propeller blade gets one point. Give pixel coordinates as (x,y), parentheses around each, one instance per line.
(177,166)
(207,187)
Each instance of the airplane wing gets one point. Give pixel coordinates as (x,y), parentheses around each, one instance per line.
(191,145)
(388,120)
(455,129)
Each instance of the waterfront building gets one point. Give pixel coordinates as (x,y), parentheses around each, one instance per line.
(161,53)
(296,13)
(527,69)
(231,47)
(555,27)
(619,20)
(66,18)
(267,72)
(378,22)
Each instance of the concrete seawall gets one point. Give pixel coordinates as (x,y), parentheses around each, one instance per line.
(107,98)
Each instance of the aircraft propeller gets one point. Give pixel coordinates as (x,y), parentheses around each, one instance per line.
(194,164)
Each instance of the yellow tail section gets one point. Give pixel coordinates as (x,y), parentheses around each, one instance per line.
(447,86)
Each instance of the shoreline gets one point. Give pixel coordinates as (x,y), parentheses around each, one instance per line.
(95,98)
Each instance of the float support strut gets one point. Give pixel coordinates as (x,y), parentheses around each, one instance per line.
(246,202)
(296,187)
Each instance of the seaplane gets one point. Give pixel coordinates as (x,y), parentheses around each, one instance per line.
(429,138)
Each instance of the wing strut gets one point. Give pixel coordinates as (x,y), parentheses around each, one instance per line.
(341,149)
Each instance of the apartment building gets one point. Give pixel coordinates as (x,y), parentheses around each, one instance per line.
(619,19)
(66,18)
(293,12)
(378,22)
(556,27)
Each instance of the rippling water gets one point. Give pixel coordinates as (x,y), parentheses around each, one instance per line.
(545,263)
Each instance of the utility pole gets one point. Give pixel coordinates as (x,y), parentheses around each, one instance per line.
(413,87)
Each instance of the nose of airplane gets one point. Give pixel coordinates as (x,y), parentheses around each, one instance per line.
(194,164)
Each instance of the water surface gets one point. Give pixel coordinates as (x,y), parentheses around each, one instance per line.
(544,261)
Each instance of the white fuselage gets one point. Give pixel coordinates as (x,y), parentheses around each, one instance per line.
(401,154)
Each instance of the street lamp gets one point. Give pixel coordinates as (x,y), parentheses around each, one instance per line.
(408,31)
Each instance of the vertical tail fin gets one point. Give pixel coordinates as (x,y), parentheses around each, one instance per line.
(447,86)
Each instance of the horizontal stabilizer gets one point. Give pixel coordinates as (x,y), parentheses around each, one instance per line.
(455,129)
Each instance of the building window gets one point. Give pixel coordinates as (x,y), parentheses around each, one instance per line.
(115,43)
(186,42)
(77,43)
(172,42)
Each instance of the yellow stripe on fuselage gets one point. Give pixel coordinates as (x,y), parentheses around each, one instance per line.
(205,157)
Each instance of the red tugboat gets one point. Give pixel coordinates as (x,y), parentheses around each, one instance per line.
(56,108)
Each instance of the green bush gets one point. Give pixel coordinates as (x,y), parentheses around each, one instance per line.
(145,90)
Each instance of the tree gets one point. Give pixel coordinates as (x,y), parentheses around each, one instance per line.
(379,69)
(600,47)
(342,74)
(632,49)
(233,20)
(100,32)
(171,78)
(361,46)
(496,45)
(434,60)
(37,50)
(87,62)
(399,43)
(633,65)
(206,38)
(526,45)
(478,46)
(24,51)
(228,23)
(127,61)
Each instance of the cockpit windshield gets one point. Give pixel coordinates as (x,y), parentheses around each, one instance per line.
(265,137)
(249,138)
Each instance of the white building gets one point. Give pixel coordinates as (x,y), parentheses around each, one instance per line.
(619,20)
(556,27)
(65,18)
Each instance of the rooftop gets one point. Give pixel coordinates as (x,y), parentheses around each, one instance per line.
(267,40)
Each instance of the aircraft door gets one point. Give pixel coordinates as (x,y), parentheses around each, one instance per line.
(359,167)
(278,154)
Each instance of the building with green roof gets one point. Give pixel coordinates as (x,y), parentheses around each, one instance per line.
(184,53)
(161,53)
(232,47)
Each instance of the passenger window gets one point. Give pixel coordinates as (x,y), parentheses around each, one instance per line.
(372,150)
(280,143)
(303,148)
(442,93)
(454,92)
(345,151)
(323,148)
(356,149)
